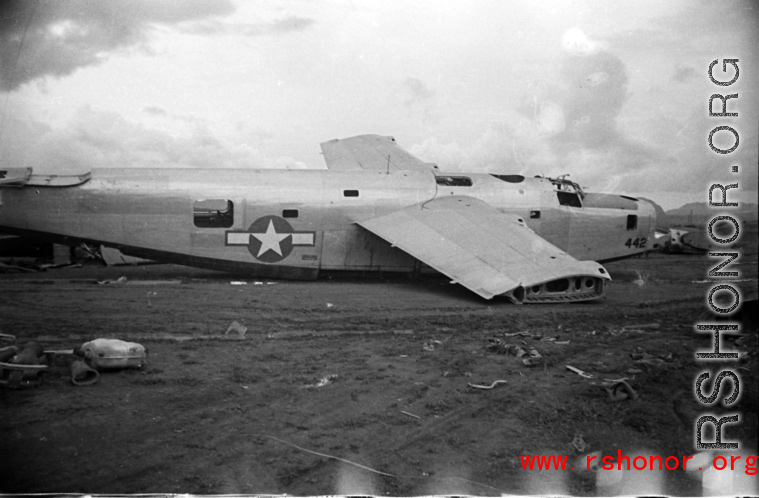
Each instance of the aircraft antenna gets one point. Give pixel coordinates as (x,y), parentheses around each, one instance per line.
(388,165)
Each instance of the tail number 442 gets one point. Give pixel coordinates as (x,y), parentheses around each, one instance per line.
(640,243)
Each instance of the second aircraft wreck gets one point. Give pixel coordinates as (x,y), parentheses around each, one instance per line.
(376,208)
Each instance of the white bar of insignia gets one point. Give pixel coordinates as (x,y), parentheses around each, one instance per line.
(303,239)
(234,238)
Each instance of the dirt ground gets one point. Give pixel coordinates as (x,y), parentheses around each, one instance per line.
(363,386)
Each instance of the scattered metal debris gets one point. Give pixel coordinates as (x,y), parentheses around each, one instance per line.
(31,354)
(491,386)
(640,281)
(120,280)
(238,328)
(411,414)
(534,359)
(107,354)
(430,345)
(498,346)
(614,381)
(621,391)
(21,364)
(515,334)
(635,329)
(323,381)
(82,374)
(579,372)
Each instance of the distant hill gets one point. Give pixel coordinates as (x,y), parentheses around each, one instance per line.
(699,213)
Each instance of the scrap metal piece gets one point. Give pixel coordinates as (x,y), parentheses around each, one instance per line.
(82,374)
(238,328)
(491,386)
(105,354)
(579,372)
(621,391)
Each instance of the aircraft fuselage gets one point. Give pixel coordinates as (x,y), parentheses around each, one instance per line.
(297,223)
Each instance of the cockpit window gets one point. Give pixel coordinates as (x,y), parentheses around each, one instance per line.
(454,181)
(569,199)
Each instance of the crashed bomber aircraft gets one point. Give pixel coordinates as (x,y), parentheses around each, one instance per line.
(376,207)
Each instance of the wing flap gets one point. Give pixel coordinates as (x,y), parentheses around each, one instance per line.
(370,152)
(479,247)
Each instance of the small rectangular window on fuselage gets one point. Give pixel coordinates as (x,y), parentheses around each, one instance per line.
(632,222)
(454,181)
(213,213)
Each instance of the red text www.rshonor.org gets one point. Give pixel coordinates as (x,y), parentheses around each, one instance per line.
(653,462)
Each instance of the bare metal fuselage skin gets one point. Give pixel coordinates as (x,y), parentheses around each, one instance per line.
(298,223)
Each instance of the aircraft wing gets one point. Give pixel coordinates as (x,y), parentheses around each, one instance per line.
(370,152)
(488,252)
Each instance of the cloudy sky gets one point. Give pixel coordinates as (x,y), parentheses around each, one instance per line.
(613,93)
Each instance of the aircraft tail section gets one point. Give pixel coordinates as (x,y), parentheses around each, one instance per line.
(371,153)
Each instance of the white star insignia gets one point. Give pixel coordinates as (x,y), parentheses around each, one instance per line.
(270,240)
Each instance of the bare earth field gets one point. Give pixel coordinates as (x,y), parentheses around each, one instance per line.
(362,386)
